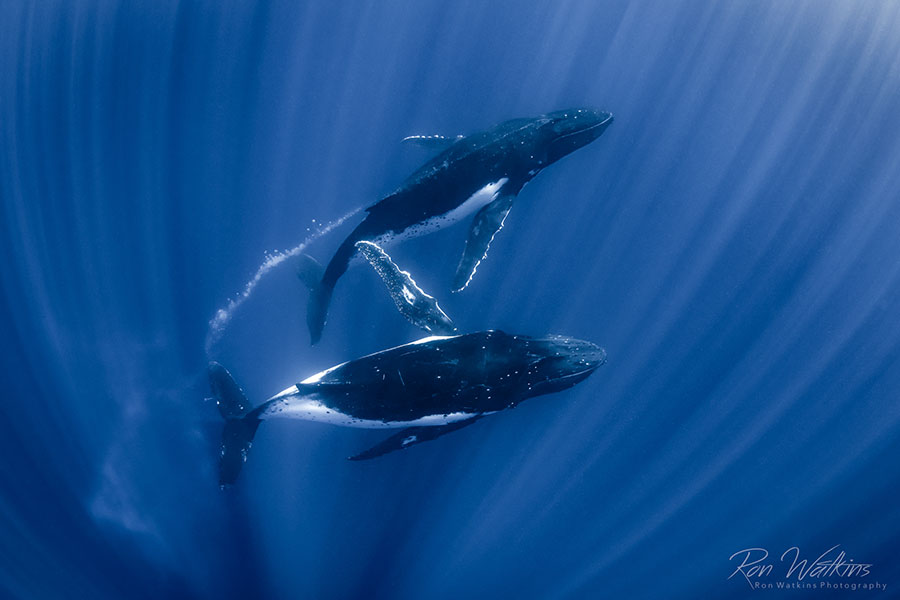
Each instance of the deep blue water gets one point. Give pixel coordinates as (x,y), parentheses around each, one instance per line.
(733,241)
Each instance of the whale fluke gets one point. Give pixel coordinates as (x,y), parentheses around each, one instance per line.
(310,271)
(240,427)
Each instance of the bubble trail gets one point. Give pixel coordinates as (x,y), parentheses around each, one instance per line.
(219,323)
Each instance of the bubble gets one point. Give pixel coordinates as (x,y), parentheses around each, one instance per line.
(219,323)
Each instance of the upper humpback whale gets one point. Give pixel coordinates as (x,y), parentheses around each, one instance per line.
(482,172)
(428,388)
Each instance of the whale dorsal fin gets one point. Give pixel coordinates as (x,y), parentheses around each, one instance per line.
(412,436)
(431,142)
(488,221)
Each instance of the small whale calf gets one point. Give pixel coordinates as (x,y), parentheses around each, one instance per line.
(426,388)
(480,173)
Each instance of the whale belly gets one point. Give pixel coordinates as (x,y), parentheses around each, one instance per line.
(291,404)
(481,198)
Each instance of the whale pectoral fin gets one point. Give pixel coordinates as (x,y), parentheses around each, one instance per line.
(418,307)
(485,226)
(412,436)
(431,142)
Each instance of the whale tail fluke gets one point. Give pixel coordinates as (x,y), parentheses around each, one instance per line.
(240,427)
(317,312)
(311,273)
(321,280)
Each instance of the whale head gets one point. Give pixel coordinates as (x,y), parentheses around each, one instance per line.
(565,131)
(559,362)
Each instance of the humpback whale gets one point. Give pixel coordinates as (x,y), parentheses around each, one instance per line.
(426,388)
(480,173)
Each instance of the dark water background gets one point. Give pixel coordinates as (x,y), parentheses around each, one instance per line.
(733,241)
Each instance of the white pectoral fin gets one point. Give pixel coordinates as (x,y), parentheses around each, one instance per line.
(488,221)
(412,436)
(431,142)
(418,307)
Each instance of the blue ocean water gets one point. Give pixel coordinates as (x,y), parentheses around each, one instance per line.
(732,240)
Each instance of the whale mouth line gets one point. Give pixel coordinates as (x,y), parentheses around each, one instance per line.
(586,129)
(577,374)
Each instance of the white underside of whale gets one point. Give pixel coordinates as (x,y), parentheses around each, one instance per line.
(473,203)
(291,404)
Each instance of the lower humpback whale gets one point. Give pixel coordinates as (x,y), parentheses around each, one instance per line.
(426,388)
(480,173)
